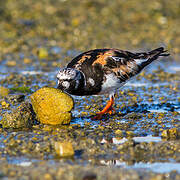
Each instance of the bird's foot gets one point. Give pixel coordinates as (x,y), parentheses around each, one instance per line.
(110,110)
(99,115)
(107,110)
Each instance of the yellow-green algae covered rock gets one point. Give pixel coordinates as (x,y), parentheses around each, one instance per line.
(4,91)
(21,117)
(52,106)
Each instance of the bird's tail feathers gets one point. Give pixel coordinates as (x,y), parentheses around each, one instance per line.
(159,51)
(144,59)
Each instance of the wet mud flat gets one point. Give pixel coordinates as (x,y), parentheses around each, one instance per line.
(139,141)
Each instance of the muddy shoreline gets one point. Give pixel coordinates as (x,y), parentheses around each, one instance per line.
(139,141)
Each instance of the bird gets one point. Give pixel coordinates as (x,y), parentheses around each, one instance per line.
(104,71)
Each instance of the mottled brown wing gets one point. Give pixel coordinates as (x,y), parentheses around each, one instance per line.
(124,67)
(87,58)
(126,64)
(94,63)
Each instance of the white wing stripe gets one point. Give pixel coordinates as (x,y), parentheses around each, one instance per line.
(116,58)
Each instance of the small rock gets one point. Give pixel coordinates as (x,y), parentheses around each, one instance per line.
(15,98)
(174,133)
(42,53)
(165,133)
(52,106)
(4,91)
(64,149)
(4,104)
(89,176)
(27,61)
(130,133)
(119,132)
(11,63)
(22,117)
(171,133)
(48,176)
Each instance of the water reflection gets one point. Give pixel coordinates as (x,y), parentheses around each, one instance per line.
(158,167)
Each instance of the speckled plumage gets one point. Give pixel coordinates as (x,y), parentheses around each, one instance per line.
(103,71)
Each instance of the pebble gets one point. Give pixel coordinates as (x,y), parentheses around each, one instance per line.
(4,91)
(64,149)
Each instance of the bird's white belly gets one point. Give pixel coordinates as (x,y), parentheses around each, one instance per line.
(111,84)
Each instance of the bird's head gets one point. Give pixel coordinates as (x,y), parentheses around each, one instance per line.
(69,79)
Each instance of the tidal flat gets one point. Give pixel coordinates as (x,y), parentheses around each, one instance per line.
(139,141)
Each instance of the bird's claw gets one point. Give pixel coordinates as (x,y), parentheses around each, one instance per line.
(99,115)
(107,110)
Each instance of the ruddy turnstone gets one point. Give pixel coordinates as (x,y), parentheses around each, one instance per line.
(103,71)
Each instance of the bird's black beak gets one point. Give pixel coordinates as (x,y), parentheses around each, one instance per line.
(59,86)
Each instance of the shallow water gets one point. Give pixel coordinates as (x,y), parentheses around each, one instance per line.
(145,117)
(157,167)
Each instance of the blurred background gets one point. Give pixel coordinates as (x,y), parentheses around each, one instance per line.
(39,36)
(68,25)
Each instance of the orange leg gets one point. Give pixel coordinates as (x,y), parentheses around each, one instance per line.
(108,109)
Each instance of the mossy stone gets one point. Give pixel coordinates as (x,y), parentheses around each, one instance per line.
(52,106)
(4,91)
(21,117)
